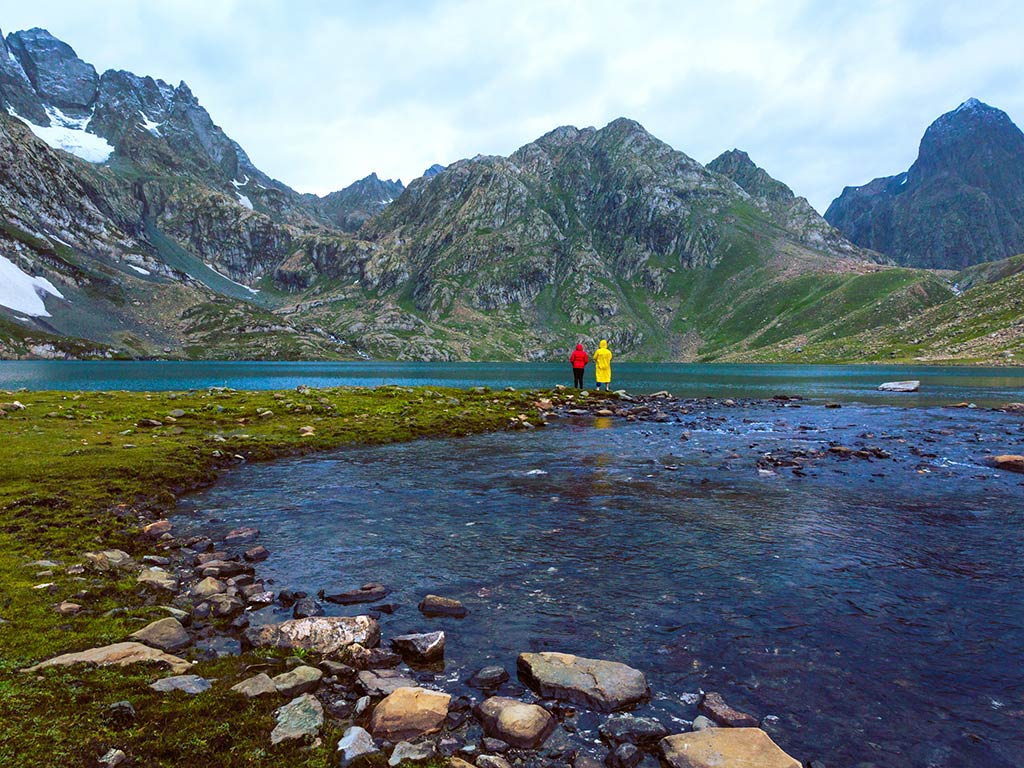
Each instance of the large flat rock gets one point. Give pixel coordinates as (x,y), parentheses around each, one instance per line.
(118,654)
(408,713)
(326,635)
(521,725)
(606,686)
(725,748)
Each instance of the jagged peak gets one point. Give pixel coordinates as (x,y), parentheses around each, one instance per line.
(433,170)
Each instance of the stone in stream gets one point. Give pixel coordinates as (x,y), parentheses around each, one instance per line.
(1009,462)
(241,535)
(356,742)
(165,634)
(207,588)
(606,686)
(383,682)
(625,755)
(158,578)
(714,706)
(435,605)
(368,593)
(409,713)
(190,684)
(118,654)
(307,607)
(719,747)
(326,635)
(299,719)
(524,726)
(488,678)
(257,554)
(492,761)
(406,752)
(629,729)
(900,386)
(300,680)
(423,647)
(258,685)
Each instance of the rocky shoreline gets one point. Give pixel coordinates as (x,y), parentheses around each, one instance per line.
(384,692)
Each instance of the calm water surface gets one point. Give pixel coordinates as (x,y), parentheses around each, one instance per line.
(985,386)
(875,606)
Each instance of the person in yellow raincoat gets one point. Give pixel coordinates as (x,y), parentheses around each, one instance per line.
(603,365)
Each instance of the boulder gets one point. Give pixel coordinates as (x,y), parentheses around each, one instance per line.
(383,682)
(724,747)
(257,554)
(326,635)
(300,680)
(1009,462)
(165,634)
(714,706)
(423,647)
(488,678)
(108,559)
(900,386)
(306,607)
(258,685)
(118,654)
(606,686)
(207,588)
(299,719)
(628,729)
(368,593)
(158,578)
(406,752)
(435,605)
(356,742)
(190,684)
(408,713)
(521,725)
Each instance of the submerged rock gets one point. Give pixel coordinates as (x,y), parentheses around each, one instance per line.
(326,635)
(435,605)
(714,706)
(605,686)
(1009,462)
(720,747)
(368,593)
(623,729)
(488,678)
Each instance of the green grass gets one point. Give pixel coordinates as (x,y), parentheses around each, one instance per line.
(72,483)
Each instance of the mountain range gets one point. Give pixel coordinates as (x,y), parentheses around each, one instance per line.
(132,225)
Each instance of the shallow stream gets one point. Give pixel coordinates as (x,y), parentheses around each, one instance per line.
(874,605)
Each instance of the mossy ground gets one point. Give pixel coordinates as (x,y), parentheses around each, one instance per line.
(79,474)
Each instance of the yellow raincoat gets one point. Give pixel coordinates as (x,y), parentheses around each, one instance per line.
(603,363)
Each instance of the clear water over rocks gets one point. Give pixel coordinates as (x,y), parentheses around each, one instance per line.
(872,603)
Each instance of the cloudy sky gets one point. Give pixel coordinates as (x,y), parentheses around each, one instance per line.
(319,93)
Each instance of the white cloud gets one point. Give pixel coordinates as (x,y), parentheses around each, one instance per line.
(319,93)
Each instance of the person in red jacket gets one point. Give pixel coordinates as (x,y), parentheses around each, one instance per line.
(578,359)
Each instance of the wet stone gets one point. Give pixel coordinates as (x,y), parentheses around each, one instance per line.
(488,678)
(307,607)
(622,729)
(435,605)
(714,706)
(422,648)
(624,756)
(368,593)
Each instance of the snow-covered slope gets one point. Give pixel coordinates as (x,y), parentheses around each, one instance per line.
(24,293)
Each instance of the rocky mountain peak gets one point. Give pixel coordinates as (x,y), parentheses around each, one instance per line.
(755,181)
(433,170)
(960,203)
(56,73)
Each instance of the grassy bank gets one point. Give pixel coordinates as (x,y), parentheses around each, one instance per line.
(81,472)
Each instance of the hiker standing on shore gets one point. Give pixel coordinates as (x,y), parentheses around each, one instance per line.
(578,360)
(603,365)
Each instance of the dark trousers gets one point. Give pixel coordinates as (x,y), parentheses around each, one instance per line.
(577,378)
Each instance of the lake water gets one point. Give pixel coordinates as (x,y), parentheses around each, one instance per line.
(985,386)
(875,606)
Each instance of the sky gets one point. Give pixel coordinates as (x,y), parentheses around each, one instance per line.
(319,93)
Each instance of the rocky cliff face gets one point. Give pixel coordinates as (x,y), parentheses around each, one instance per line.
(960,203)
(792,213)
(349,208)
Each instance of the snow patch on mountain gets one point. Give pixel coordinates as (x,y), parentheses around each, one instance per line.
(69,134)
(23,292)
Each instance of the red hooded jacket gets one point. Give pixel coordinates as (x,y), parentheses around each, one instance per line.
(579,358)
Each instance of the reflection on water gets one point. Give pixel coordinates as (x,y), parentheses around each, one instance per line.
(875,606)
